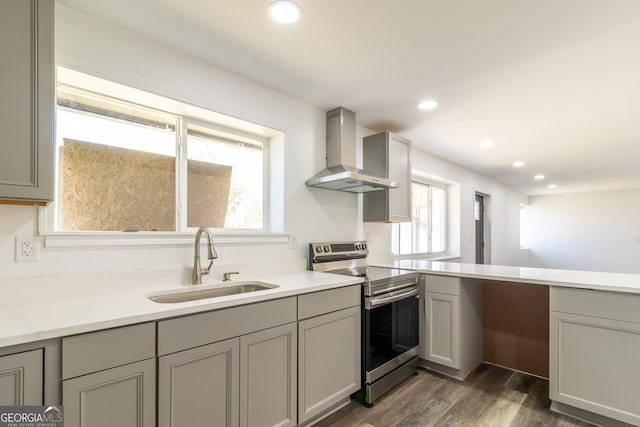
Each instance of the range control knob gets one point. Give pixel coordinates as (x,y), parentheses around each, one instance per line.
(327,249)
(364,246)
(319,249)
(358,246)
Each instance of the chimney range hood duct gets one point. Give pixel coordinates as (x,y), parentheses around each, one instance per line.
(341,174)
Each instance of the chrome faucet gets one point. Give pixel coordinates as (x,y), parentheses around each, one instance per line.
(198,271)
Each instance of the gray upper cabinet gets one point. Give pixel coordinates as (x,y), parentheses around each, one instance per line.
(21,378)
(27,106)
(388,155)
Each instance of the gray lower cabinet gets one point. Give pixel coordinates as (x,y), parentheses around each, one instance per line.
(122,396)
(268,377)
(276,363)
(109,377)
(452,325)
(21,378)
(329,361)
(229,367)
(199,386)
(442,320)
(594,353)
(28,102)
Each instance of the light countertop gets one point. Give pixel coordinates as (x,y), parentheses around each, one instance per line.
(43,308)
(611,282)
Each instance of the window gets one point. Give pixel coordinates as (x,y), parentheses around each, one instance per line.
(123,166)
(239,166)
(426,233)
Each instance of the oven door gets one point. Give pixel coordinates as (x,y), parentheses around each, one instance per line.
(390,331)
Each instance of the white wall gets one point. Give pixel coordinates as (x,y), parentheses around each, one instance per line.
(503,214)
(96,48)
(102,50)
(597,231)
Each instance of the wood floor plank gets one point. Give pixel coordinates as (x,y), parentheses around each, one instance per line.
(486,384)
(428,413)
(491,396)
(521,382)
(503,409)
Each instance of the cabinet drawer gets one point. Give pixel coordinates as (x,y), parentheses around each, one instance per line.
(608,305)
(83,354)
(205,328)
(443,284)
(317,303)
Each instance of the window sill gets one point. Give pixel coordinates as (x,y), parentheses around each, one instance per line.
(148,238)
(431,257)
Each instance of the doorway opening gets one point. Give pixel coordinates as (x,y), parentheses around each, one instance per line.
(482,228)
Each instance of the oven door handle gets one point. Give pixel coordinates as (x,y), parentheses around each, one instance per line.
(378,301)
(395,286)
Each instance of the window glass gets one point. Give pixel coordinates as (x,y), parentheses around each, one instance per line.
(437,219)
(420,220)
(224,184)
(426,233)
(114,174)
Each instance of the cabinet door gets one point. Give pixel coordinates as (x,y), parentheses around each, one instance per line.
(388,155)
(122,396)
(199,387)
(594,365)
(268,369)
(21,379)
(27,104)
(329,361)
(400,172)
(442,325)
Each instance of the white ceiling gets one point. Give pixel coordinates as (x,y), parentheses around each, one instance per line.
(555,83)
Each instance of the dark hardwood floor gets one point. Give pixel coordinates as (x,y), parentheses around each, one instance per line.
(491,396)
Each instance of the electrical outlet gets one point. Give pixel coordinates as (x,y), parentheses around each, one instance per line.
(27,249)
(292,242)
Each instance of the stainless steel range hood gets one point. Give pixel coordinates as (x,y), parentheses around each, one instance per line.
(341,173)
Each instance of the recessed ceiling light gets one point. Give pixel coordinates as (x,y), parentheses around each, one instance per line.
(518,164)
(487,143)
(285,11)
(428,105)
(539,177)
(552,186)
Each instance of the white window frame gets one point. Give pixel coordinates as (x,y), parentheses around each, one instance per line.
(184,235)
(429,253)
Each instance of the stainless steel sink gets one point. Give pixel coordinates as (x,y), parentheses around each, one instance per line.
(214,292)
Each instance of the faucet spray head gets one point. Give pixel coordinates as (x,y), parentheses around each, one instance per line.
(211,249)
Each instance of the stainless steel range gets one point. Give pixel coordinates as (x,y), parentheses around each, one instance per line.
(389,314)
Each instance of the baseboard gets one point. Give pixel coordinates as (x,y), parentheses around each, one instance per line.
(330,411)
(586,416)
(516,370)
(445,370)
